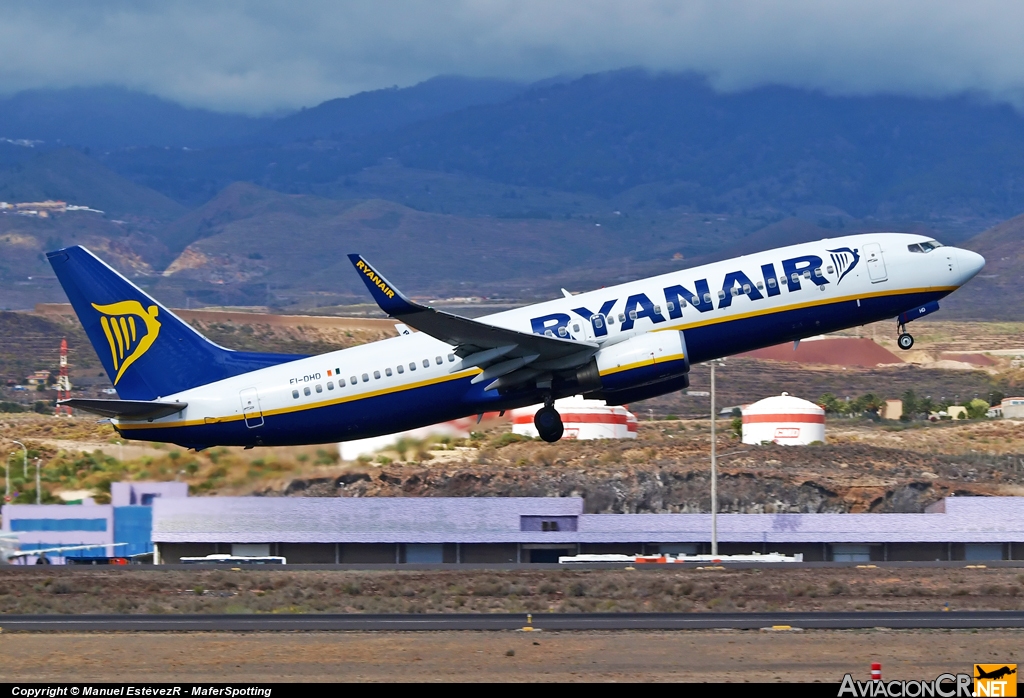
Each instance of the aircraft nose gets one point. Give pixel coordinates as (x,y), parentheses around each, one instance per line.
(970,263)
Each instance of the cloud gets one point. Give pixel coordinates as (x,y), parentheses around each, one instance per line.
(262,56)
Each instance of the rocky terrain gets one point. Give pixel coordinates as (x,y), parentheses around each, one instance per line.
(865,467)
(667,469)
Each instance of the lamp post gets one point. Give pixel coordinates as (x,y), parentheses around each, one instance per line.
(39,491)
(714,465)
(24,465)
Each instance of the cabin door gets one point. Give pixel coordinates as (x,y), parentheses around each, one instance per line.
(251,411)
(876,265)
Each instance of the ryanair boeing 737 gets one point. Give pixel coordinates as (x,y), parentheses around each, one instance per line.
(620,344)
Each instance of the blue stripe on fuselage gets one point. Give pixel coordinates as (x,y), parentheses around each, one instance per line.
(439,402)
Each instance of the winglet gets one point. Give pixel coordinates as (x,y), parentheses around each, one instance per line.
(390,299)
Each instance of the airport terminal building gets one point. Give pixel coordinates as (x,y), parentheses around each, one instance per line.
(466,530)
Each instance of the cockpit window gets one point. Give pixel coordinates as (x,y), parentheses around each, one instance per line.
(924,246)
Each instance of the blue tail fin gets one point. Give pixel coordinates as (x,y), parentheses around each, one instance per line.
(147,351)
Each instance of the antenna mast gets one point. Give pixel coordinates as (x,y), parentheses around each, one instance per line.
(63,382)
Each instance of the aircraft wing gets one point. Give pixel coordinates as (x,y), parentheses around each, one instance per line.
(125,409)
(506,353)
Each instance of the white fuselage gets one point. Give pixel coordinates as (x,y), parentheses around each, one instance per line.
(722,308)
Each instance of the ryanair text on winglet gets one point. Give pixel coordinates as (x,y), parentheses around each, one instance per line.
(363,267)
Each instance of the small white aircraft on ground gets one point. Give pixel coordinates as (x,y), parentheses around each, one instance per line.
(11,552)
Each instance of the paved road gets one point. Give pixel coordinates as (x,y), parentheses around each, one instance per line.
(546,621)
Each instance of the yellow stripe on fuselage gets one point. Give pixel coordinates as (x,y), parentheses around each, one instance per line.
(462,374)
(302,407)
(641,364)
(682,325)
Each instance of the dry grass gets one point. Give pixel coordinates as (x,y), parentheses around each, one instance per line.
(76,590)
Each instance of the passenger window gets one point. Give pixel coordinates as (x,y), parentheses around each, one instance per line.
(401,368)
(735,291)
(760,285)
(746,288)
(353,380)
(783,280)
(707,297)
(438,360)
(807,274)
(387,372)
(622,318)
(330,385)
(632,315)
(549,333)
(721,295)
(830,269)
(341,382)
(426,363)
(305,391)
(376,375)
(817,271)
(412,365)
(576,328)
(611,319)
(796,278)
(657,310)
(366,378)
(295,394)
(451,358)
(598,322)
(562,332)
(319,388)
(672,306)
(771,283)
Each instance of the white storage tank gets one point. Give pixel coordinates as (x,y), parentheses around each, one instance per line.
(582,419)
(783,419)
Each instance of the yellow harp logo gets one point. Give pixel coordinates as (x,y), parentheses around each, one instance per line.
(130,330)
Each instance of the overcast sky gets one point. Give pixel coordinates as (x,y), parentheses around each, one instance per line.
(266,56)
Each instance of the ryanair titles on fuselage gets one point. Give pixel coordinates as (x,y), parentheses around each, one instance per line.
(361,266)
(797,270)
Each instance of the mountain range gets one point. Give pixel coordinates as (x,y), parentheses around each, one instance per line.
(489,187)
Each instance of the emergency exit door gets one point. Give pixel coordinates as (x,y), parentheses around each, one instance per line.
(875,262)
(251,411)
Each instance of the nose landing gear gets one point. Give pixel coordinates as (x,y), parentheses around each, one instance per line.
(548,422)
(905,340)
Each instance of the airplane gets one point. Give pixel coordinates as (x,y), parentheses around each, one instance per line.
(622,343)
(995,674)
(10,550)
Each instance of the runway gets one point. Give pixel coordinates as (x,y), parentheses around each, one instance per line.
(545,621)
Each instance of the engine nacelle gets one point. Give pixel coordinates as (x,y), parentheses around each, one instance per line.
(649,358)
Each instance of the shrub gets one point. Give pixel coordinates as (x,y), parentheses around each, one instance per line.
(509,438)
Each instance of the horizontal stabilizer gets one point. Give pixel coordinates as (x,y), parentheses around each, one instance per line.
(125,409)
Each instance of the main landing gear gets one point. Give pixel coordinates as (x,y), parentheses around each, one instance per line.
(548,422)
(905,339)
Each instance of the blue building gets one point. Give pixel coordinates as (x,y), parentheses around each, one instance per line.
(127,519)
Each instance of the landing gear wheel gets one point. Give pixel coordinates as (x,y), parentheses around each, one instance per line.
(549,424)
(905,341)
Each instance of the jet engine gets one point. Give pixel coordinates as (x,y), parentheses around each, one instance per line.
(622,369)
